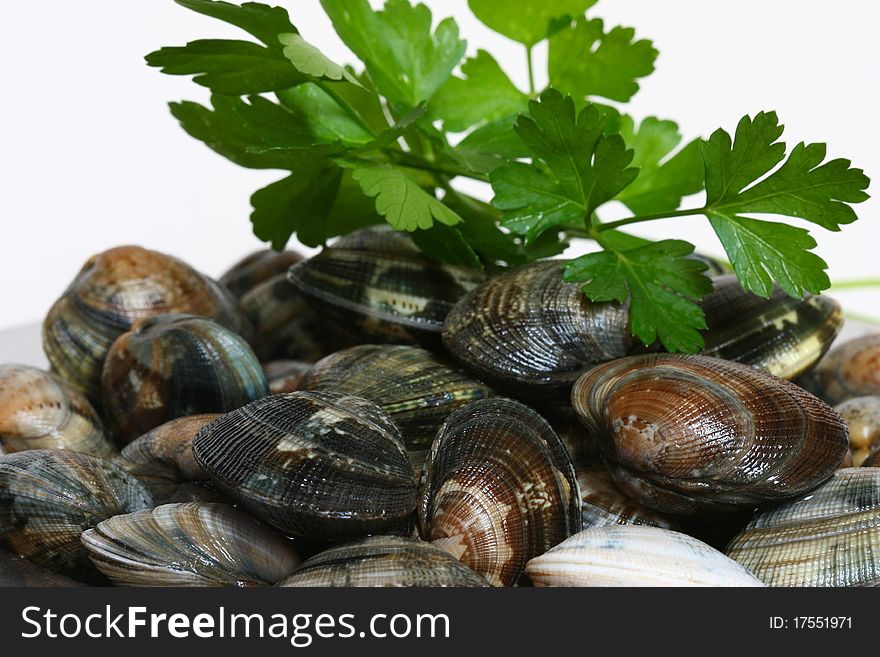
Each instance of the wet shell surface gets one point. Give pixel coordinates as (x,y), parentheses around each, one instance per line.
(849,370)
(603,503)
(527,330)
(162,458)
(383,561)
(256,268)
(285,375)
(498,489)
(192,544)
(416,388)
(636,556)
(780,335)
(49,497)
(40,411)
(175,365)
(312,464)
(830,537)
(862,417)
(688,433)
(113,290)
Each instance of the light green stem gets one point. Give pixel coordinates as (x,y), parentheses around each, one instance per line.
(855,284)
(531,65)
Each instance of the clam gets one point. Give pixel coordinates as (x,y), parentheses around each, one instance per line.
(781,335)
(192,544)
(416,388)
(49,497)
(39,410)
(636,556)
(830,537)
(498,488)
(113,290)
(175,365)
(256,268)
(383,561)
(873,459)
(688,433)
(849,370)
(285,375)
(316,464)
(162,458)
(602,502)
(16,571)
(862,417)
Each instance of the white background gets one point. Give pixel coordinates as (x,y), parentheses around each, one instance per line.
(91,158)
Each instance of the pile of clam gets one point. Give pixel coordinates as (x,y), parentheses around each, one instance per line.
(371,417)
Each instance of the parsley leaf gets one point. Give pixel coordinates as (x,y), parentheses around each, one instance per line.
(308,60)
(585,61)
(584,167)
(527,22)
(261,21)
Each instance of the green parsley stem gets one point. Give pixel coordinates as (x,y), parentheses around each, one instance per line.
(531,65)
(348,109)
(647,217)
(856,283)
(416,162)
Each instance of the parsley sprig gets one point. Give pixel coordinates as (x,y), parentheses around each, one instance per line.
(389,140)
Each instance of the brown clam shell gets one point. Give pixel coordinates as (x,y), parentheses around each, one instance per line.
(285,375)
(849,370)
(603,503)
(862,417)
(256,268)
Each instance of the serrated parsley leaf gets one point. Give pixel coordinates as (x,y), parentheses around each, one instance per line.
(584,167)
(484,94)
(406,61)
(662,181)
(660,283)
(586,62)
(262,21)
(308,60)
(528,22)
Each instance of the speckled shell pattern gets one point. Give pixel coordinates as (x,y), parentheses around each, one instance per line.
(49,497)
(603,503)
(528,331)
(285,375)
(383,295)
(636,556)
(782,335)
(387,561)
(254,269)
(830,537)
(498,488)
(415,387)
(162,458)
(40,411)
(849,370)
(862,417)
(315,464)
(115,289)
(192,544)
(683,434)
(175,365)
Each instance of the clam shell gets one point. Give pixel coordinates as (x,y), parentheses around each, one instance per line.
(175,365)
(603,503)
(636,556)
(256,268)
(498,488)
(49,497)
(830,537)
(849,370)
(38,410)
(285,375)
(689,433)
(16,571)
(383,561)
(862,417)
(313,464)
(193,544)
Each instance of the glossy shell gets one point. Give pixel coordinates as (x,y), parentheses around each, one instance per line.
(603,503)
(256,268)
(416,388)
(114,290)
(49,497)
(285,375)
(849,370)
(781,335)
(383,561)
(689,433)
(314,464)
(40,411)
(162,458)
(636,556)
(830,537)
(862,417)
(175,365)
(498,489)
(190,545)
(528,331)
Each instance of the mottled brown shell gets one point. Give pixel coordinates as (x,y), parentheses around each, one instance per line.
(849,370)
(685,433)
(498,488)
(862,417)
(603,503)
(256,268)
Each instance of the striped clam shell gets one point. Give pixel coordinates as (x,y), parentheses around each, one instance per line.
(603,503)
(285,375)
(862,417)
(49,497)
(315,464)
(688,433)
(781,335)
(175,365)
(40,411)
(193,544)
(383,561)
(256,268)
(849,370)
(528,331)
(498,488)
(636,556)
(830,537)
(115,289)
